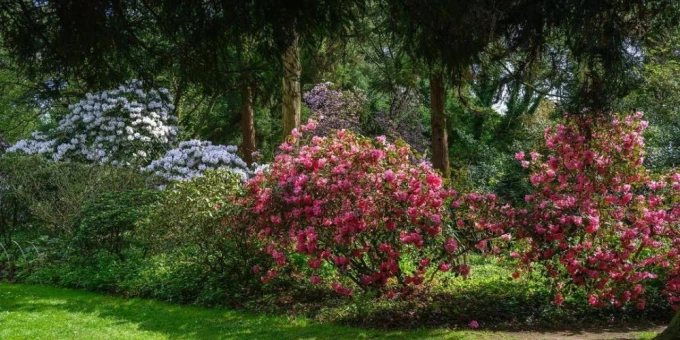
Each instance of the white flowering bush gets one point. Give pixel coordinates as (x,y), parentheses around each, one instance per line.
(130,126)
(122,126)
(193,157)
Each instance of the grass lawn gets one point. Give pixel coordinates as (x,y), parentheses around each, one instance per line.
(38,312)
(43,313)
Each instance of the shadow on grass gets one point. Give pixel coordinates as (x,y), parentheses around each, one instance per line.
(186,322)
(511,306)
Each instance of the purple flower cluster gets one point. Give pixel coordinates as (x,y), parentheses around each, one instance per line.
(335,109)
(402,121)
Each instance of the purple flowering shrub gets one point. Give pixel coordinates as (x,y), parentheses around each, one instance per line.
(335,109)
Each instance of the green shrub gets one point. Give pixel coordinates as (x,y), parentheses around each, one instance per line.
(109,221)
(40,209)
(14,211)
(54,192)
(165,278)
(100,272)
(202,222)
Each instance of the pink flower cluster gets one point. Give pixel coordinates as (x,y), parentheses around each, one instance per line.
(597,219)
(479,221)
(358,205)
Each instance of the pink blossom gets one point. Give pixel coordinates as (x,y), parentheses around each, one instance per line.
(341,289)
(559,299)
(519,156)
(390,176)
(451,245)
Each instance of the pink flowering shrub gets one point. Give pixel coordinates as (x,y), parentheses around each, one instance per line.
(598,221)
(357,205)
(478,222)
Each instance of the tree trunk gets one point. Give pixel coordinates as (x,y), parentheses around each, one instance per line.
(247,124)
(179,89)
(440,140)
(292,97)
(672,332)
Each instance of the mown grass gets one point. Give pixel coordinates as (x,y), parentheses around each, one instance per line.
(39,312)
(489,296)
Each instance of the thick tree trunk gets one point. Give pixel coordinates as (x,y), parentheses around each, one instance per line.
(247,124)
(292,97)
(440,140)
(673,330)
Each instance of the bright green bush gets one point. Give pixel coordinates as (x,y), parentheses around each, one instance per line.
(100,272)
(203,222)
(168,279)
(109,222)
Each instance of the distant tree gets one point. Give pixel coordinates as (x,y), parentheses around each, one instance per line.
(275,26)
(657,94)
(599,36)
(218,46)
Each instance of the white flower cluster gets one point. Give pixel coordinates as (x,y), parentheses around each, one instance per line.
(130,126)
(38,144)
(261,167)
(118,127)
(193,157)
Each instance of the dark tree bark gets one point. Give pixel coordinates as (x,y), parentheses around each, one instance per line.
(292,97)
(440,140)
(247,123)
(672,332)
